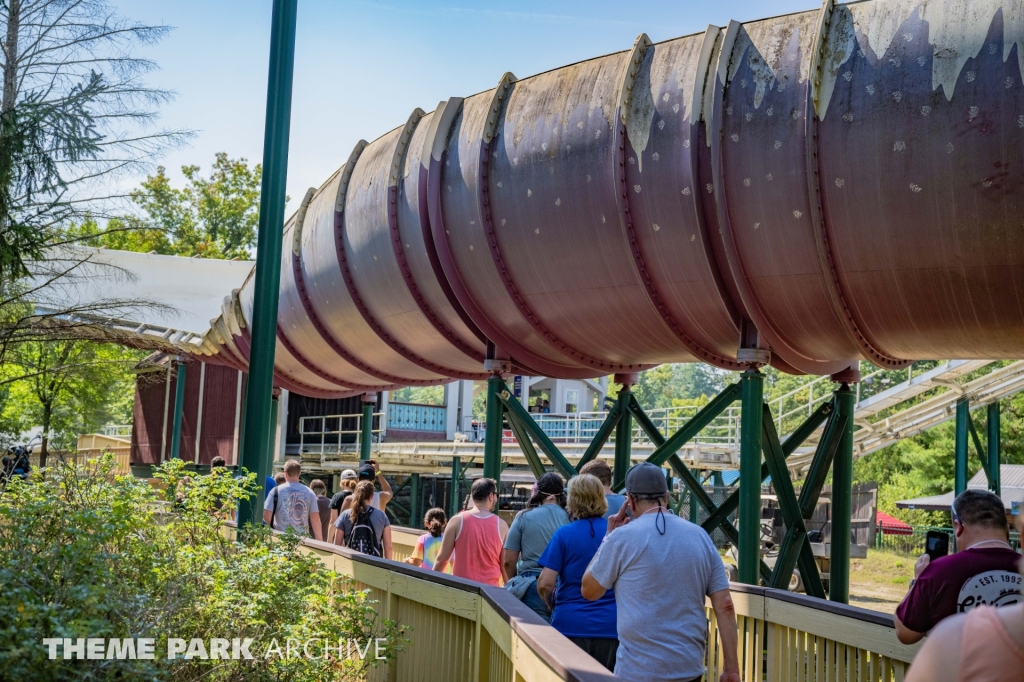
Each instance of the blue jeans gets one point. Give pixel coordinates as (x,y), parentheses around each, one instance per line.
(533,600)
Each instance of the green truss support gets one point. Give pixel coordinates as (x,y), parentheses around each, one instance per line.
(454,492)
(697,493)
(495,417)
(526,445)
(795,440)
(366,431)
(748,548)
(623,437)
(794,548)
(517,411)
(602,436)
(179,409)
(963,416)
(704,417)
(994,474)
(842,500)
(983,455)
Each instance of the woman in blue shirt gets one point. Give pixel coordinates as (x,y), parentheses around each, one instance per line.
(589,624)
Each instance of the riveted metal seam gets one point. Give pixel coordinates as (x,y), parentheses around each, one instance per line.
(433,154)
(353,290)
(282,336)
(401,149)
(429,245)
(298,274)
(626,218)
(484,204)
(821,229)
(749,298)
(283,380)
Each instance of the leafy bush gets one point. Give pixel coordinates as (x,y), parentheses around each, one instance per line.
(84,554)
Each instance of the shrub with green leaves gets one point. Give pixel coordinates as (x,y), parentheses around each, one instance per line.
(85,554)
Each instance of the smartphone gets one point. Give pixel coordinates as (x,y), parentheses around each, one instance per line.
(936,544)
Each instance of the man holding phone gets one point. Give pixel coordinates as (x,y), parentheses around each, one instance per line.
(983,570)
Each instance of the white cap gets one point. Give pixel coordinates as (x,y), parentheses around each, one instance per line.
(348,475)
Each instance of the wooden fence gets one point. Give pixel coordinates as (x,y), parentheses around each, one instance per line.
(462,630)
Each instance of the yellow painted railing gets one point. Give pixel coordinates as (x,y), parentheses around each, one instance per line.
(785,636)
(461,630)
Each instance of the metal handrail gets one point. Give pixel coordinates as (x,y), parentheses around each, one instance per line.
(323,432)
(117,430)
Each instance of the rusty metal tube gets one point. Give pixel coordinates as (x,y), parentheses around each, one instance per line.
(846,181)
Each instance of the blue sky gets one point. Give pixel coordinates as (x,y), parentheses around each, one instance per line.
(362,66)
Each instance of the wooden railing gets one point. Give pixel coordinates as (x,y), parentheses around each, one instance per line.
(458,629)
(465,631)
(787,636)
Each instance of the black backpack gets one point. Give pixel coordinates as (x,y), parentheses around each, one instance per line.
(363,538)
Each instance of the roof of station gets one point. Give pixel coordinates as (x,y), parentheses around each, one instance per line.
(1011,489)
(165,302)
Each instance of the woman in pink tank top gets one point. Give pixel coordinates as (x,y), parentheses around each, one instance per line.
(476,536)
(986,644)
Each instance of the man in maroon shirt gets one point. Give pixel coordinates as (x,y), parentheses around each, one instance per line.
(983,571)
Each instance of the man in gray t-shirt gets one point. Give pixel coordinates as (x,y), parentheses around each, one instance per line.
(292,505)
(661,640)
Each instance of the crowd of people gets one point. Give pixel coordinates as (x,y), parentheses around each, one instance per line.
(589,570)
(586,560)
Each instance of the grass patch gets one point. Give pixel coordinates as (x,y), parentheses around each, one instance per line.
(883,567)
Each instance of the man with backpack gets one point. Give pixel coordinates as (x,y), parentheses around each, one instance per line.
(292,505)
(362,527)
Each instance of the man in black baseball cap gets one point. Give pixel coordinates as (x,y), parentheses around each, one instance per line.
(656,552)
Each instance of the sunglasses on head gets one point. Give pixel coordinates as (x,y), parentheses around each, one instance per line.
(956,517)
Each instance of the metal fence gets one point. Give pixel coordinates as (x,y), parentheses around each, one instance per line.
(911,540)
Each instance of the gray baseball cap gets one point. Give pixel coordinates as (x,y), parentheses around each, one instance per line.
(646,479)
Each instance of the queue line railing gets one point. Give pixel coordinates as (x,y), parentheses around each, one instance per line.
(461,630)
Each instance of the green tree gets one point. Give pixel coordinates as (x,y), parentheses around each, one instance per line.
(427,395)
(212,217)
(74,112)
(87,554)
(66,387)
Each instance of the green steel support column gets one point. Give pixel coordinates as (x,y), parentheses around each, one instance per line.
(275,402)
(751,410)
(415,513)
(694,509)
(366,426)
(717,480)
(179,408)
(963,407)
(842,500)
(994,483)
(623,430)
(268,254)
(492,437)
(454,492)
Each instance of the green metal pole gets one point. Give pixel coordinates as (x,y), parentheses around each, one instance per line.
(623,433)
(694,509)
(414,502)
(179,409)
(751,410)
(994,481)
(268,254)
(366,426)
(717,480)
(275,402)
(842,501)
(963,408)
(495,417)
(454,492)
